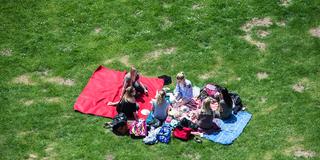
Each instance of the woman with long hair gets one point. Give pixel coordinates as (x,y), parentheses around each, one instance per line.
(225,104)
(206,115)
(132,79)
(160,106)
(127,104)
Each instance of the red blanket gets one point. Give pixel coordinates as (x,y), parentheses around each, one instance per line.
(105,86)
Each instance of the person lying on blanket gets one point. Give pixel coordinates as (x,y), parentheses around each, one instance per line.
(183,91)
(160,106)
(127,104)
(132,79)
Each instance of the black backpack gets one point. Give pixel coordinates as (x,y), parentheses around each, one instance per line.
(236,101)
(167,79)
(118,121)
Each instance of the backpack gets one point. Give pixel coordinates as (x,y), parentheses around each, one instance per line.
(166,79)
(119,124)
(164,134)
(138,128)
(237,102)
(208,90)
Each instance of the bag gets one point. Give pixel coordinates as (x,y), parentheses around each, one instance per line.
(138,128)
(208,90)
(167,79)
(152,121)
(152,137)
(188,124)
(164,134)
(237,102)
(119,124)
(211,89)
(182,133)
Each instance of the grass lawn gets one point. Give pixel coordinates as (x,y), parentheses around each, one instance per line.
(267,51)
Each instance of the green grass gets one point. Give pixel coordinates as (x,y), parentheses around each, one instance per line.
(59,36)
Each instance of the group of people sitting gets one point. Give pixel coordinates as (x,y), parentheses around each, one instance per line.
(219,105)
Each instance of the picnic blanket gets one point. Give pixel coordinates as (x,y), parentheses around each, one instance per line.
(230,129)
(105,85)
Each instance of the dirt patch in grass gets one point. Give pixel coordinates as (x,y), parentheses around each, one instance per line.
(299,151)
(207,75)
(97,30)
(263,99)
(304,153)
(157,53)
(261,46)
(299,87)
(53,99)
(125,60)
(24,133)
(50,152)
(262,33)
(281,23)
(24,79)
(195,156)
(294,139)
(197,6)
(315,32)
(267,110)
(6,52)
(262,75)
(108,61)
(256,22)
(268,155)
(270,109)
(285,3)
(109,157)
(44,72)
(60,81)
(32,156)
(166,23)
(27,102)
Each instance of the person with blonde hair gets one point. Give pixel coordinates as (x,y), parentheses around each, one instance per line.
(183,91)
(206,115)
(132,79)
(127,104)
(160,106)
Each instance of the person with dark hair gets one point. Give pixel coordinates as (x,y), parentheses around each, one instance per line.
(225,103)
(132,79)
(127,104)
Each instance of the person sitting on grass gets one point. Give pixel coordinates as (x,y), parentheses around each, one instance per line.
(205,116)
(127,104)
(160,106)
(183,91)
(225,104)
(132,79)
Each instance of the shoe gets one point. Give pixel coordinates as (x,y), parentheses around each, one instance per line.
(198,140)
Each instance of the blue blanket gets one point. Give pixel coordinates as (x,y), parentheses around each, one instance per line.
(230,129)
